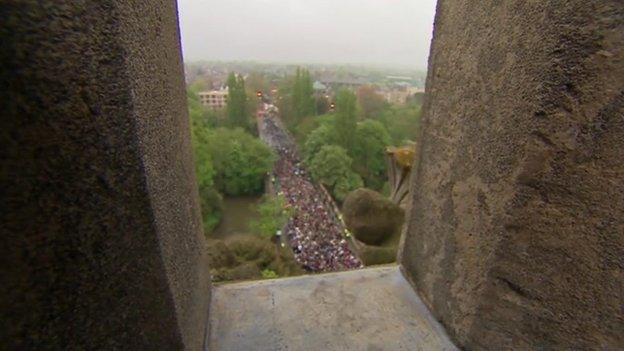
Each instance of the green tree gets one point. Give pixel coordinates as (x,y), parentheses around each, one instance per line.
(322,105)
(371,141)
(211,204)
(319,137)
(371,103)
(285,101)
(240,160)
(346,185)
(331,166)
(237,109)
(273,214)
(308,102)
(199,115)
(402,123)
(210,200)
(346,119)
(297,97)
(256,82)
(232,175)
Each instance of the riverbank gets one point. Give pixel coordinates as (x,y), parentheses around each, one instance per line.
(238,213)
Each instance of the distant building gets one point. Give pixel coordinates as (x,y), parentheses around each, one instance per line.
(318,86)
(214,99)
(336,83)
(400,78)
(399,95)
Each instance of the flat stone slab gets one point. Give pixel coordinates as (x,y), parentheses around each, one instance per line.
(368,309)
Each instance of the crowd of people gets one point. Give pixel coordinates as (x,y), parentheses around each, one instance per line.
(315,232)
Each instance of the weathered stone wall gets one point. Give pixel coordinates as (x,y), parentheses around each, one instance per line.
(102,241)
(516,233)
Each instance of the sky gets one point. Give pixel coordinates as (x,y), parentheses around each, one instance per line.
(378,32)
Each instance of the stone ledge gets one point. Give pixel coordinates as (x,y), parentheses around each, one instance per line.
(367,309)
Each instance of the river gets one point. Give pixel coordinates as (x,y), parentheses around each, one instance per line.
(238,212)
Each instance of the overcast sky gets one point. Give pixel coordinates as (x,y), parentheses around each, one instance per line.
(396,32)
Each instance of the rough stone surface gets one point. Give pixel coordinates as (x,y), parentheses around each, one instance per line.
(103,246)
(369,309)
(516,232)
(370,216)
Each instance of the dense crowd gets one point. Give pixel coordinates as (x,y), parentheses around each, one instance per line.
(314,232)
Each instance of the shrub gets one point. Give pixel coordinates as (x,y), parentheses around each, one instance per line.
(269,274)
(273,215)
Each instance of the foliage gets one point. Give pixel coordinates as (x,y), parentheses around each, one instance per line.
(256,82)
(371,140)
(269,274)
(273,215)
(346,118)
(345,185)
(210,200)
(199,115)
(321,136)
(402,122)
(211,203)
(253,83)
(246,257)
(296,98)
(228,160)
(237,105)
(303,94)
(331,166)
(284,101)
(322,105)
(204,168)
(371,103)
(304,128)
(200,84)
(240,160)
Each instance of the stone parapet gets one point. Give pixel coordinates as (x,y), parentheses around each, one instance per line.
(100,215)
(515,236)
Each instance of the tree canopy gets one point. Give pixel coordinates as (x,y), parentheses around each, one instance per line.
(230,161)
(237,112)
(370,143)
(241,161)
(402,122)
(319,137)
(331,166)
(297,99)
(303,94)
(210,200)
(371,103)
(273,215)
(346,118)
(370,140)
